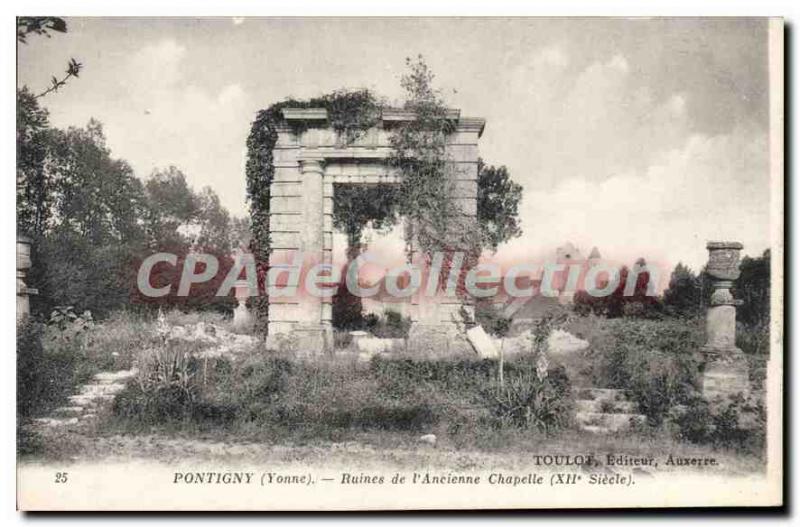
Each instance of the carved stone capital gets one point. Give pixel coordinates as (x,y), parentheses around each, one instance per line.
(312,165)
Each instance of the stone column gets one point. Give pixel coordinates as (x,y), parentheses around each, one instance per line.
(241,316)
(313,336)
(725,371)
(23,264)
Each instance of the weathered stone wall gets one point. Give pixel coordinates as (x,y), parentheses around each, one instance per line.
(307,165)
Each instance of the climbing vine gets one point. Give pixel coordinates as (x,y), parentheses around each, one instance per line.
(432,219)
(350,114)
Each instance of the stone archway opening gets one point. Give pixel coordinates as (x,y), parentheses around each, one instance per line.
(368,240)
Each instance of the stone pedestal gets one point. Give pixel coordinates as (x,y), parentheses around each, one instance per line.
(241,316)
(725,370)
(24,292)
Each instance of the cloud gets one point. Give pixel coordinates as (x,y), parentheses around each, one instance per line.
(709,188)
(156,66)
(166,119)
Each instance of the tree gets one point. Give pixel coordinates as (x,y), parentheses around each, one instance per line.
(180,218)
(684,296)
(91,209)
(498,204)
(214,222)
(753,289)
(34,183)
(240,232)
(92,194)
(42,25)
(356,206)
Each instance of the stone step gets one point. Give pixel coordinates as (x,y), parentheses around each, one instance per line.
(89,400)
(68,411)
(56,422)
(108,377)
(614,422)
(596,429)
(101,389)
(605,406)
(600,394)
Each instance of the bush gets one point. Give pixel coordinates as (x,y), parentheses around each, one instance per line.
(165,387)
(491,319)
(655,361)
(739,423)
(49,366)
(392,325)
(527,401)
(328,398)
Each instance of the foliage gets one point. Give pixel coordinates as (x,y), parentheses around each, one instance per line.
(436,222)
(349,112)
(38,25)
(326,399)
(655,361)
(42,25)
(48,367)
(533,400)
(92,219)
(165,383)
(617,303)
(356,206)
(418,151)
(179,216)
(684,296)
(34,182)
(737,423)
(753,289)
(391,325)
(498,204)
(491,319)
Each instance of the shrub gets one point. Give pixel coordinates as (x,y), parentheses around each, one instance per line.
(655,361)
(492,319)
(528,400)
(738,423)
(753,339)
(49,366)
(165,387)
(327,398)
(391,325)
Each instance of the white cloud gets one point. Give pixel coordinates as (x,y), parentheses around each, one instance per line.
(710,188)
(169,120)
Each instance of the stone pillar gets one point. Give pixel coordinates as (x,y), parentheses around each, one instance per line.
(725,370)
(23,264)
(312,334)
(241,316)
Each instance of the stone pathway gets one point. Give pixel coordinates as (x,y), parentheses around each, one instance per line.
(604,411)
(91,398)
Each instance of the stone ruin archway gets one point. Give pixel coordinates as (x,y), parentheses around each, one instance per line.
(307,165)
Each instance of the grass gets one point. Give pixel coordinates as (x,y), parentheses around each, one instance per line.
(261,398)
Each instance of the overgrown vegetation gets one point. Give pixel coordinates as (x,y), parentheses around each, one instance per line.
(432,219)
(325,399)
(92,220)
(657,362)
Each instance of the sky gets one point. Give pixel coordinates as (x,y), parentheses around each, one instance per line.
(643,137)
